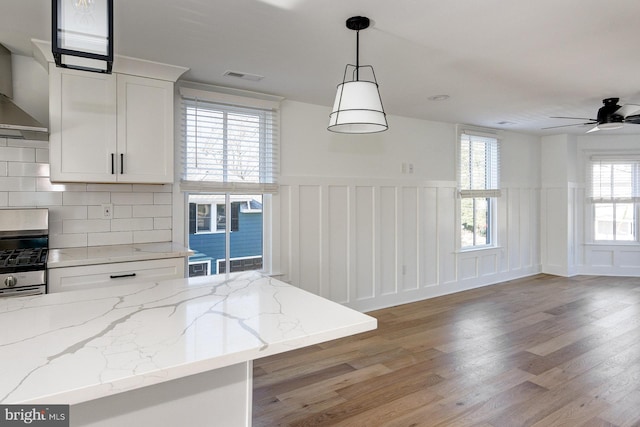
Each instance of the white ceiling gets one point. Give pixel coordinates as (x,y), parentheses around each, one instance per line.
(498,60)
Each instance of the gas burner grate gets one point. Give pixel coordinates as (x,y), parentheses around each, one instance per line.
(25,257)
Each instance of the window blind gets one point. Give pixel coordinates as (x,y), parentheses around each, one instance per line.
(229,148)
(614,179)
(479,166)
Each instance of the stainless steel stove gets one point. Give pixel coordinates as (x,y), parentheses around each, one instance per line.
(24,246)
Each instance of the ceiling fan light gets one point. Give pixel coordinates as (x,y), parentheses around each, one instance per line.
(610,126)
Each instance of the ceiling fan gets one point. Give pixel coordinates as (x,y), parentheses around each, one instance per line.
(610,116)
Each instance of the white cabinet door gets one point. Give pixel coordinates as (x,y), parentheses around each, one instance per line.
(100,275)
(82,108)
(110,128)
(145,130)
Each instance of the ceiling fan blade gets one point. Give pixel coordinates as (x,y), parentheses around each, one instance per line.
(575,124)
(573,118)
(628,110)
(593,129)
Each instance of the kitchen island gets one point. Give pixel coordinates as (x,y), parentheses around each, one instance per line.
(177,352)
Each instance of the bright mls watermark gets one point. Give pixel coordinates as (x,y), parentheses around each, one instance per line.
(34,415)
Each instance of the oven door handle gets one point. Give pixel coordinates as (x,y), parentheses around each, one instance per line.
(21,293)
(120,276)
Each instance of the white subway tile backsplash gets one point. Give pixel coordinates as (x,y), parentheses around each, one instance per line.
(140,211)
(95,212)
(162,223)
(85,225)
(28,143)
(42,155)
(60,213)
(86,198)
(151,236)
(162,198)
(68,240)
(131,224)
(122,211)
(45,184)
(18,154)
(55,225)
(132,198)
(16,183)
(34,198)
(111,238)
(113,188)
(28,169)
(152,188)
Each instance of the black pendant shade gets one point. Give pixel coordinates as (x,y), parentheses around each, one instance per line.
(82,34)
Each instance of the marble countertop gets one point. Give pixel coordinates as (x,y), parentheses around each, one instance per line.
(91,255)
(73,347)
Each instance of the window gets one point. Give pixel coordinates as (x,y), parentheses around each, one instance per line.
(614,192)
(479,186)
(199,268)
(228,147)
(200,220)
(203,218)
(230,164)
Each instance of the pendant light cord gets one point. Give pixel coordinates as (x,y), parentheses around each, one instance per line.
(357,55)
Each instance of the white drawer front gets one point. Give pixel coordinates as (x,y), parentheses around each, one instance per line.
(99,275)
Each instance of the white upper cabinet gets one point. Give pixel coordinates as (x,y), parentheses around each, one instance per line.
(113,127)
(110,128)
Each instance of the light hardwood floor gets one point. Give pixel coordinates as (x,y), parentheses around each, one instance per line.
(539,351)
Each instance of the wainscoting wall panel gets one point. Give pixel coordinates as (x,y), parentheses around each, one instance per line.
(388,265)
(382,242)
(338,245)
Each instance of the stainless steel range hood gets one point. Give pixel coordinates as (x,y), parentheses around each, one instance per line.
(14,121)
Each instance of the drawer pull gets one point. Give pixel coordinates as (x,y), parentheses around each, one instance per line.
(120,276)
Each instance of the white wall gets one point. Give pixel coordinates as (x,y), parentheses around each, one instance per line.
(357,230)
(558,193)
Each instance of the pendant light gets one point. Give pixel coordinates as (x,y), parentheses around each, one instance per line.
(358,106)
(82,34)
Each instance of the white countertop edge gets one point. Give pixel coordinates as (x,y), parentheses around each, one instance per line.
(92,255)
(85,394)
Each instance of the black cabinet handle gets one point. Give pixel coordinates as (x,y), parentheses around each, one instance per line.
(121,163)
(120,276)
(113,166)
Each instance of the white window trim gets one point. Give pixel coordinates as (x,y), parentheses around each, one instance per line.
(589,204)
(493,196)
(207,262)
(270,206)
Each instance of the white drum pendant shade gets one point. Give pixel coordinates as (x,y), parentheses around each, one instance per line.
(358,106)
(357,109)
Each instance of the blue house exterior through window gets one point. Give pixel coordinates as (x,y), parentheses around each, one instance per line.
(209,243)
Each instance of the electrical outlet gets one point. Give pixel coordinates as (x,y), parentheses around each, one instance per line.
(107,211)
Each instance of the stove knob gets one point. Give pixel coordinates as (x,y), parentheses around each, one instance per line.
(10,282)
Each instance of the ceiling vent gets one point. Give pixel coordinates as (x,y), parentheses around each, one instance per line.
(244,76)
